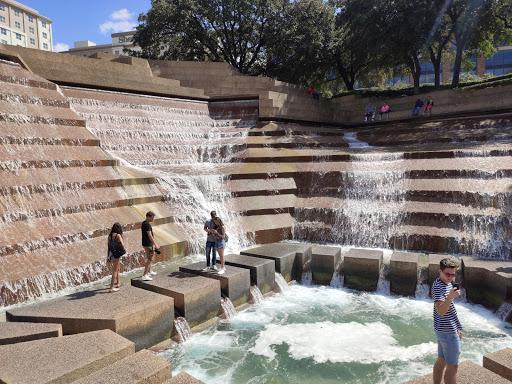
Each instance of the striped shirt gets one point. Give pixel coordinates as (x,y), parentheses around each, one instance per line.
(449,323)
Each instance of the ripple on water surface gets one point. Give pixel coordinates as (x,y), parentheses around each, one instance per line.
(324,335)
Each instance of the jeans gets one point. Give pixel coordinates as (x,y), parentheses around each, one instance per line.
(416,111)
(210,249)
(448,347)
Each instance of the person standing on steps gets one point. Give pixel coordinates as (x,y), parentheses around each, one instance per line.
(115,235)
(446,323)
(220,243)
(149,244)
(210,243)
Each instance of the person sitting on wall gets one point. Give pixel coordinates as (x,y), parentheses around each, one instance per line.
(313,93)
(370,112)
(417,107)
(384,110)
(428,108)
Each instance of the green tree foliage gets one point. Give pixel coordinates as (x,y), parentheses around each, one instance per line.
(234,31)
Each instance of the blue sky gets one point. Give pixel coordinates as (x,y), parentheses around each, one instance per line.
(94,20)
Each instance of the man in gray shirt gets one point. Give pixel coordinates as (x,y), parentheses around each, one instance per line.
(210,243)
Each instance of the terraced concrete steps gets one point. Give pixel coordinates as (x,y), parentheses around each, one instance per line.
(12,333)
(500,362)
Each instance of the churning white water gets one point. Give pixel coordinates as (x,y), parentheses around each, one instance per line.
(324,335)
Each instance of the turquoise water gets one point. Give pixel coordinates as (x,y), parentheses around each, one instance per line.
(326,335)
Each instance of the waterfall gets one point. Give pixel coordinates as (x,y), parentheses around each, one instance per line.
(182,329)
(228,308)
(306,278)
(353,142)
(256,295)
(338,280)
(281,282)
(504,311)
(384,285)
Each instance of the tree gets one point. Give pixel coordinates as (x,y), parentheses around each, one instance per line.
(234,31)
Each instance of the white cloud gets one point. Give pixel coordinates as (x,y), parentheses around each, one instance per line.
(60,47)
(121,20)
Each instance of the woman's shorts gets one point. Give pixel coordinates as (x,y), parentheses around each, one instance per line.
(220,243)
(428,108)
(448,347)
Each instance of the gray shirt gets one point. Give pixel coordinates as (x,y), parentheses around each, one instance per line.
(210,225)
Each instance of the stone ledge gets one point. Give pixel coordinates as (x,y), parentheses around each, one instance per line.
(140,368)
(404,273)
(262,271)
(184,378)
(362,269)
(11,333)
(323,263)
(62,359)
(146,318)
(196,298)
(500,362)
(235,283)
(469,373)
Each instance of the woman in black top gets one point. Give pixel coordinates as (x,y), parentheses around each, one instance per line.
(116,234)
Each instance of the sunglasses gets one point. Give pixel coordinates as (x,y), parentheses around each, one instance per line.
(450,274)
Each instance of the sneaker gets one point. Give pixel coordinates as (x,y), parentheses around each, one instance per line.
(221,271)
(146,278)
(206,269)
(152,273)
(215,268)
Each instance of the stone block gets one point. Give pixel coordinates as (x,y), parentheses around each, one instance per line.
(323,263)
(11,333)
(196,298)
(362,269)
(403,268)
(235,283)
(289,257)
(262,271)
(144,317)
(468,372)
(184,378)
(500,362)
(142,367)
(62,360)
(487,282)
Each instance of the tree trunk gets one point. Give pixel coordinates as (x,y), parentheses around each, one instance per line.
(457,65)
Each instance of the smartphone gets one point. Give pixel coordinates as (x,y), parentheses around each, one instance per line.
(456,286)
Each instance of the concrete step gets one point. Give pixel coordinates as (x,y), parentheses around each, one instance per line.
(17,93)
(183,378)
(40,130)
(12,333)
(73,357)
(500,362)
(140,368)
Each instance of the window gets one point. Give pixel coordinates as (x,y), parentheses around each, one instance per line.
(32,41)
(45,35)
(31,19)
(43,24)
(31,29)
(3,31)
(2,7)
(2,19)
(16,13)
(45,46)
(17,24)
(18,36)
(117,52)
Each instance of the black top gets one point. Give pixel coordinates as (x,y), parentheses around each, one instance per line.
(145,227)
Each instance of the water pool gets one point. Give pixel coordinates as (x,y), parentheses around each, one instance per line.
(313,334)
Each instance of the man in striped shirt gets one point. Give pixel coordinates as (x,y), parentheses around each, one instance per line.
(446,323)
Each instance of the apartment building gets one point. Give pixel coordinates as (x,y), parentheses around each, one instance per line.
(24,26)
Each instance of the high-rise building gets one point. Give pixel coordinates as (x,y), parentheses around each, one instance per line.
(120,41)
(24,26)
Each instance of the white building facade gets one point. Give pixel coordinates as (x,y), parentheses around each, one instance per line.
(24,26)
(120,41)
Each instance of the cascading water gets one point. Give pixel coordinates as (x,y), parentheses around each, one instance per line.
(182,329)
(256,295)
(505,310)
(228,309)
(281,282)
(383,285)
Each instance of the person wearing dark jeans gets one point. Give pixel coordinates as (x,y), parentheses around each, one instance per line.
(313,93)
(417,107)
(210,243)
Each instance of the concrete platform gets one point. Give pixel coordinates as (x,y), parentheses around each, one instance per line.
(362,269)
(404,273)
(11,333)
(62,359)
(184,378)
(262,271)
(144,317)
(468,373)
(500,362)
(323,263)
(487,282)
(289,257)
(196,298)
(235,283)
(140,368)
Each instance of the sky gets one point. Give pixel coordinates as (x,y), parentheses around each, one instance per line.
(94,20)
